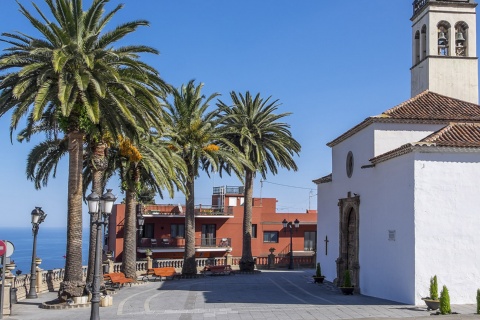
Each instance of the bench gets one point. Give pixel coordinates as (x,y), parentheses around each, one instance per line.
(117,279)
(217,270)
(159,273)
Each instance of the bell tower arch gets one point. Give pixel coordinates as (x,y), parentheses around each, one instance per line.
(444,55)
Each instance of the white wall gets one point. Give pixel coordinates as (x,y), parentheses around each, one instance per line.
(447,224)
(389,136)
(386,203)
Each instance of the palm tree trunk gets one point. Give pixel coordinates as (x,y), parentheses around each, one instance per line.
(247,263)
(98,165)
(73,263)
(129,257)
(189,263)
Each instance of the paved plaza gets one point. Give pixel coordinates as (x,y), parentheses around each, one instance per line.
(267,295)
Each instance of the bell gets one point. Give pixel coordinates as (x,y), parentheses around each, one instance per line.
(459,36)
(441,36)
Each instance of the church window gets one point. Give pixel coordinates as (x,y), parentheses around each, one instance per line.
(461,35)
(417,47)
(423,42)
(349,164)
(443,38)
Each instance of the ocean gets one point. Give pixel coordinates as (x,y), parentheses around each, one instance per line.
(51,247)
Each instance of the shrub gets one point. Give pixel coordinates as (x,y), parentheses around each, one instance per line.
(318,272)
(478,301)
(347,281)
(445,301)
(434,288)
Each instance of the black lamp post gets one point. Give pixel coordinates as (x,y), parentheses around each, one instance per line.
(291,225)
(37,217)
(100,208)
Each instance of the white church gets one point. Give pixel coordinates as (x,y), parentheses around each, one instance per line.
(401,203)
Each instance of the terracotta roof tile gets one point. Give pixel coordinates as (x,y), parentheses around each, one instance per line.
(325,179)
(427,107)
(456,135)
(433,106)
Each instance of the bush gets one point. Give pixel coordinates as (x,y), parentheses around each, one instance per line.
(347,281)
(478,301)
(318,272)
(434,288)
(445,301)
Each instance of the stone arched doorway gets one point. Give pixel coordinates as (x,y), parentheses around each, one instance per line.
(349,240)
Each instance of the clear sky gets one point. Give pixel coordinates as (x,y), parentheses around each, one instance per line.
(330,63)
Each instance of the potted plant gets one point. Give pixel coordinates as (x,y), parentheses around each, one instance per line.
(148,252)
(272,250)
(347,287)
(432,302)
(318,277)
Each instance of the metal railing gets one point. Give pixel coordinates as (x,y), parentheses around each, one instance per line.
(203,242)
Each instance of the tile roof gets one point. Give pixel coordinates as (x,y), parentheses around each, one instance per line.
(427,107)
(456,135)
(461,136)
(327,178)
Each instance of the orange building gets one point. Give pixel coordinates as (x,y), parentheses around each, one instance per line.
(218,228)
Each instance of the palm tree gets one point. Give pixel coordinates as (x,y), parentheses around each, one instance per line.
(265,143)
(74,72)
(151,164)
(196,137)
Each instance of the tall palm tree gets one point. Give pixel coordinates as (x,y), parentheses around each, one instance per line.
(151,164)
(74,71)
(196,137)
(265,143)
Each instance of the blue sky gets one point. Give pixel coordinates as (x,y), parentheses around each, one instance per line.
(330,63)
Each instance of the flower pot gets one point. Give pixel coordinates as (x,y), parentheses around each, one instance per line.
(432,304)
(318,279)
(347,290)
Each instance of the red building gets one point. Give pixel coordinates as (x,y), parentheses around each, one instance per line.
(218,228)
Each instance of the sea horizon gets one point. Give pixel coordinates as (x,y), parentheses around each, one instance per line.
(51,246)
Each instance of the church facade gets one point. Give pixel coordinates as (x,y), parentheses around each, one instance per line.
(400,205)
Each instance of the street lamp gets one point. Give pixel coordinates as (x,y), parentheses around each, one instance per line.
(291,225)
(100,209)
(37,217)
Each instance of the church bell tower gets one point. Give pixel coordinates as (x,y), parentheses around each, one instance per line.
(444,55)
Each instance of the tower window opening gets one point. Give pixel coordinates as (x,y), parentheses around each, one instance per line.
(461,35)
(423,42)
(443,38)
(417,47)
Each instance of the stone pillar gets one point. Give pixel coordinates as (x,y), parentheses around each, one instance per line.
(228,259)
(6,298)
(149,262)
(271,261)
(110,266)
(39,280)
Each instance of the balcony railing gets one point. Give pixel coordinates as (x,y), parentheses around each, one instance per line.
(419,4)
(200,243)
(205,210)
(228,190)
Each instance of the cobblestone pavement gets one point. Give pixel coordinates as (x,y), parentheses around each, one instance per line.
(268,295)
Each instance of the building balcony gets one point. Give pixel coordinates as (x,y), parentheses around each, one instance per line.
(174,211)
(178,244)
(229,190)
